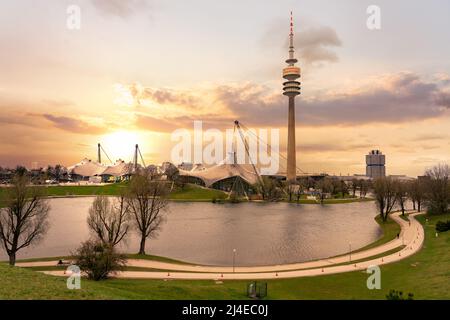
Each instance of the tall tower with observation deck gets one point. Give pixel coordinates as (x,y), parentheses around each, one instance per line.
(291,88)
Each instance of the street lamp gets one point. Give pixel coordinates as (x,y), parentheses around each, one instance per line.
(234,258)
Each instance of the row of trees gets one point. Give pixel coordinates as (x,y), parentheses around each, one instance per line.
(57,173)
(275,190)
(431,190)
(141,206)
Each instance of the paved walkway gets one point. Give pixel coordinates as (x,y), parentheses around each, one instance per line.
(411,236)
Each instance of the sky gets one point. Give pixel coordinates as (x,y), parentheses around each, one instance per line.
(137,70)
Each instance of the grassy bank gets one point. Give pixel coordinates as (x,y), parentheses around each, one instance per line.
(425,275)
(189,192)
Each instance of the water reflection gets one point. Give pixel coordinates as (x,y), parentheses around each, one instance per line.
(206,233)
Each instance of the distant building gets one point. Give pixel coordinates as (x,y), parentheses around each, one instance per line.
(187,166)
(375,164)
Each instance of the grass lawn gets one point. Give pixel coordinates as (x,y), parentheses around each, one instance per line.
(192,192)
(426,275)
(189,192)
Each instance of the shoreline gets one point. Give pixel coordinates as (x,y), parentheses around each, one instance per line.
(385,239)
(389,252)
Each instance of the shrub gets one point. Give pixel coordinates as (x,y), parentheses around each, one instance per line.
(98,260)
(442,226)
(398,295)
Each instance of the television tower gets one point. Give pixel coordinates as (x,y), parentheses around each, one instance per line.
(291,88)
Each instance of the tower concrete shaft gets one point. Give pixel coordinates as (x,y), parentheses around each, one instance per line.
(291,151)
(291,88)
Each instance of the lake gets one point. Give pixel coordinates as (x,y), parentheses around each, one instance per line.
(207,233)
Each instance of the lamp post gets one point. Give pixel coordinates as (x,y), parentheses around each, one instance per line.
(234,258)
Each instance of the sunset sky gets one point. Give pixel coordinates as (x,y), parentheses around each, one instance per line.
(137,70)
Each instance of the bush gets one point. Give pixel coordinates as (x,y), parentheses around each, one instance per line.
(442,226)
(98,260)
(398,295)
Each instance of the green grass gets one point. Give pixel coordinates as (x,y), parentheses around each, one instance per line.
(425,274)
(129,256)
(191,192)
(73,190)
(156,258)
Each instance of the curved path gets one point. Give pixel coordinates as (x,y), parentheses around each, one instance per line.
(411,236)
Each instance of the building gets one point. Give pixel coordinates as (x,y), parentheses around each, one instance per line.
(291,88)
(223,175)
(375,164)
(88,170)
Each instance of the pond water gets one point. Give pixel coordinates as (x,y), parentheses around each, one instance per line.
(207,233)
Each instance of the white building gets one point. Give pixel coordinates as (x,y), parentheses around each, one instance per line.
(375,164)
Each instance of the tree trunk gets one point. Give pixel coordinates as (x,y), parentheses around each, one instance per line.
(414,205)
(383,217)
(418,206)
(142,246)
(403,209)
(12,259)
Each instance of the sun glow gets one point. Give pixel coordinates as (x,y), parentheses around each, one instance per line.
(120,144)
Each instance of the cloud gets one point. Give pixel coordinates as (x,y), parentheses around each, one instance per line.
(16,119)
(328,147)
(443,99)
(73,125)
(155,124)
(120,8)
(314,44)
(394,98)
(162,96)
(169,124)
(429,136)
(57,103)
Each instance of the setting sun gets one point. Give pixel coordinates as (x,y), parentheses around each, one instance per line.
(120,144)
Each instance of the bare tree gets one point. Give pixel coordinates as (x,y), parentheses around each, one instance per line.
(289,189)
(109,220)
(438,189)
(24,219)
(401,193)
(385,196)
(302,185)
(363,188)
(354,186)
(324,186)
(270,189)
(147,202)
(417,193)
